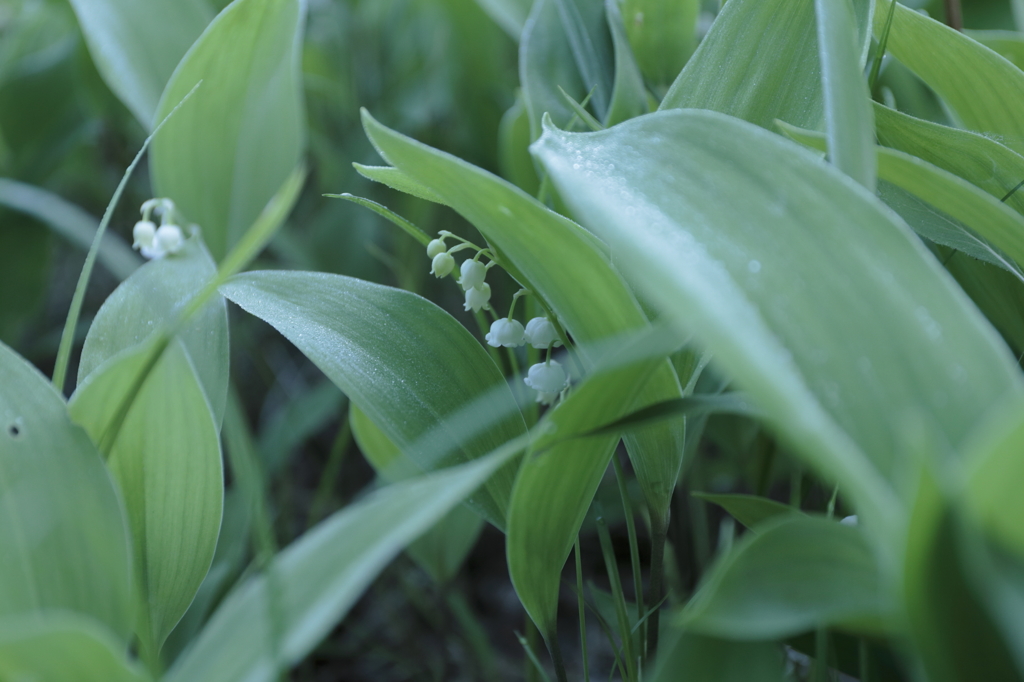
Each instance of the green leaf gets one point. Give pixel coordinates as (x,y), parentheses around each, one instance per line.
(992,494)
(513,148)
(953,196)
(136,46)
(545,65)
(166,459)
(749,510)
(848,118)
(693,405)
(788,270)
(954,636)
(62,525)
(56,647)
(663,34)
(226,153)
(322,574)
(557,482)
(153,297)
(1007,44)
(405,362)
(558,260)
(585,29)
(797,573)
(985,91)
(978,159)
(441,550)
(997,293)
(686,656)
(629,97)
(509,14)
(759,62)
(71,223)
(397,180)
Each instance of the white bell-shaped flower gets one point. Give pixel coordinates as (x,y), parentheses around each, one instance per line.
(169,239)
(478,298)
(473,274)
(505,332)
(849,520)
(435,247)
(540,333)
(144,234)
(442,265)
(548,379)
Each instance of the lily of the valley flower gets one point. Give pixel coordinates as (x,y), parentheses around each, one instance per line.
(478,298)
(548,379)
(435,247)
(156,242)
(540,333)
(473,274)
(442,265)
(505,332)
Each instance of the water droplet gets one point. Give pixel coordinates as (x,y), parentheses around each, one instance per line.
(754,266)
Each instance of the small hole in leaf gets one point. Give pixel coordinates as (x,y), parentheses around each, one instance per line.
(14,430)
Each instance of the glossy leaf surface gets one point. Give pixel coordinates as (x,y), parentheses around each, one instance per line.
(795,574)
(56,647)
(320,576)
(674,192)
(166,459)
(407,364)
(224,154)
(154,296)
(62,525)
(137,45)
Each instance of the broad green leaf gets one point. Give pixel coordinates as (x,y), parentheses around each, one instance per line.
(442,549)
(557,482)
(998,579)
(795,574)
(749,510)
(62,526)
(545,65)
(585,29)
(153,297)
(997,293)
(759,62)
(984,90)
(978,159)
(166,458)
(954,636)
(57,647)
(1008,44)
(70,222)
(397,180)
(567,267)
(513,148)
(629,97)
(686,656)
(509,14)
(663,34)
(405,362)
(997,224)
(137,45)
(321,575)
(992,492)
(787,271)
(225,154)
(848,117)
(676,408)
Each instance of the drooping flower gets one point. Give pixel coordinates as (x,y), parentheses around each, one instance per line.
(540,333)
(548,379)
(144,233)
(478,298)
(473,274)
(442,265)
(169,239)
(435,247)
(505,332)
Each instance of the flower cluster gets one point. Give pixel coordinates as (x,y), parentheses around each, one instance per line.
(156,242)
(548,378)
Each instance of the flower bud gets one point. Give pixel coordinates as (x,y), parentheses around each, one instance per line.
(169,239)
(546,377)
(442,265)
(473,274)
(540,333)
(144,233)
(435,247)
(478,298)
(505,332)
